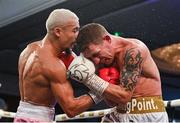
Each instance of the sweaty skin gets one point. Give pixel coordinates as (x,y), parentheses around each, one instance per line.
(137,97)
(43,80)
(139,74)
(31,76)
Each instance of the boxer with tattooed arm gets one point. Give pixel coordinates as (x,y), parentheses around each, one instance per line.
(138,95)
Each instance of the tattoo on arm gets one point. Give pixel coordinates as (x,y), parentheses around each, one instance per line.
(132,69)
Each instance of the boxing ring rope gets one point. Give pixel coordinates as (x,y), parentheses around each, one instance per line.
(7,114)
(100,113)
(89,114)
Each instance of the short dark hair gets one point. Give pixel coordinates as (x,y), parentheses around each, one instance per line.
(91,33)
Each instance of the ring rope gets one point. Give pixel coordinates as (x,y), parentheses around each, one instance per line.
(88,114)
(7,114)
(100,113)
(173,103)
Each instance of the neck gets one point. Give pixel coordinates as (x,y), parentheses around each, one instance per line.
(51,43)
(118,43)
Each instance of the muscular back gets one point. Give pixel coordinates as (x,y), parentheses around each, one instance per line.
(34,86)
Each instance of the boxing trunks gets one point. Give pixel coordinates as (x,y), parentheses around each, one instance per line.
(141,109)
(27,112)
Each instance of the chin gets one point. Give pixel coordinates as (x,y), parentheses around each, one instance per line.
(109,63)
(68,50)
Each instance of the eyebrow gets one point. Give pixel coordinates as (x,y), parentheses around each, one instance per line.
(76,28)
(95,53)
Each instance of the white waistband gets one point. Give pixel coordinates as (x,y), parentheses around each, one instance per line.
(27,110)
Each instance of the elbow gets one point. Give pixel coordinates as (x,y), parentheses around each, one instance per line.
(125,98)
(124,101)
(70,111)
(70,114)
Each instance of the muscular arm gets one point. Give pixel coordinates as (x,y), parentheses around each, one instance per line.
(64,94)
(130,74)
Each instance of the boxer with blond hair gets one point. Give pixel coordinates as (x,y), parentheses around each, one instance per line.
(42,72)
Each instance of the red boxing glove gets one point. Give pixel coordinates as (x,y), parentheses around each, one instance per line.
(66,58)
(110,74)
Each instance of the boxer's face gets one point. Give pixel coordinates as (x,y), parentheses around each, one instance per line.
(100,53)
(69,34)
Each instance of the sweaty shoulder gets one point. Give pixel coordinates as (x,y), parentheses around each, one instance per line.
(139,46)
(136,42)
(30,47)
(34,44)
(133,59)
(54,68)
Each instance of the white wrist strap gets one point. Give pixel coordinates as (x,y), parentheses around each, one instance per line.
(96,84)
(95,98)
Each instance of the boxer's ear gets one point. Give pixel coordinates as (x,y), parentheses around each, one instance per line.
(107,38)
(57,31)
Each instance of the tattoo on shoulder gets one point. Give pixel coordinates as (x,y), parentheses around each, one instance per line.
(132,69)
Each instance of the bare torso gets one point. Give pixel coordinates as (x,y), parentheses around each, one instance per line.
(149,83)
(34,86)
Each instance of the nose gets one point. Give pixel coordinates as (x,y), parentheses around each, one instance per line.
(96,61)
(76,34)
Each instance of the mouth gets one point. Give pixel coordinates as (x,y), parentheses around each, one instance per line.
(104,60)
(107,61)
(72,45)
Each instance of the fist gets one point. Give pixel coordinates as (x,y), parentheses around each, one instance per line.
(66,58)
(81,69)
(110,74)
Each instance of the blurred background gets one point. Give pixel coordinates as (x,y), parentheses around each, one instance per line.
(155,22)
